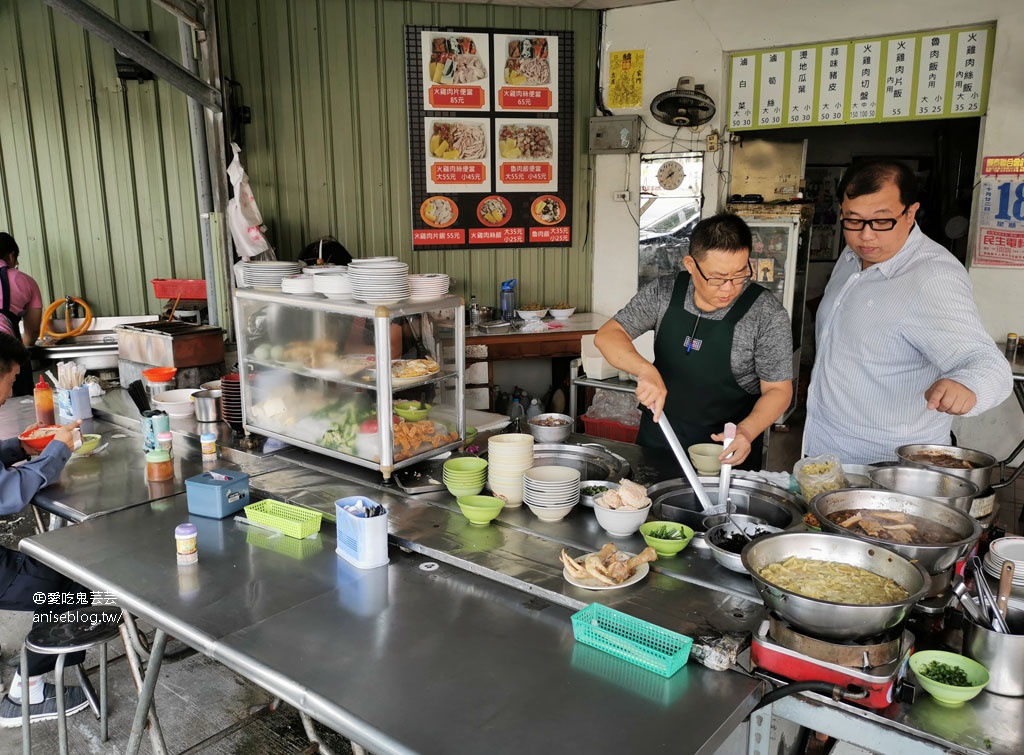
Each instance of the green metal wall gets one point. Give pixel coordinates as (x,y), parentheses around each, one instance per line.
(96,178)
(327,151)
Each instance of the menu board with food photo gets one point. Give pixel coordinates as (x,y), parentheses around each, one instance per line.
(457,154)
(486,173)
(455,70)
(527,155)
(529,77)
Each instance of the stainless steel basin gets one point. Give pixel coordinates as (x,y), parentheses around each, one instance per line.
(96,349)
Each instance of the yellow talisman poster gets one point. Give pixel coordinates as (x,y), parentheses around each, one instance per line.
(626,79)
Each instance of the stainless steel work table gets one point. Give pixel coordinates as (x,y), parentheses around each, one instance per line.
(400,659)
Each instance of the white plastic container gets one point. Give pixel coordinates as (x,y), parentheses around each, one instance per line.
(361,542)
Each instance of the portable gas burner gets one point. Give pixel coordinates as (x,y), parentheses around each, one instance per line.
(876,666)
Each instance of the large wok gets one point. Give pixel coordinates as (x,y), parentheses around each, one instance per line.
(936,559)
(834,621)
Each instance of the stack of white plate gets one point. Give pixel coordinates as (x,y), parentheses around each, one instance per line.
(297,284)
(551,491)
(333,286)
(379,280)
(328,269)
(428,286)
(268,273)
(508,456)
(1005,549)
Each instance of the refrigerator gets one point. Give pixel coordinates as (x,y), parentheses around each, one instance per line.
(778,257)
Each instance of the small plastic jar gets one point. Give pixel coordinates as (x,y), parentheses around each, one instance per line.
(185,536)
(208,442)
(165,442)
(159,466)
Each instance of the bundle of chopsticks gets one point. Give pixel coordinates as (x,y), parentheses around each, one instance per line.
(69,375)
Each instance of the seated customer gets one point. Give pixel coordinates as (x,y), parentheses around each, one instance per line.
(22,577)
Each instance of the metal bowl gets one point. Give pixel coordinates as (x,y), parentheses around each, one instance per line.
(935,559)
(742,520)
(981,463)
(545,434)
(926,483)
(675,501)
(716,534)
(588,500)
(839,621)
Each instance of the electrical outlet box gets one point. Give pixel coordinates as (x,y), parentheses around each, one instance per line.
(614,134)
(713,141)
(620,196)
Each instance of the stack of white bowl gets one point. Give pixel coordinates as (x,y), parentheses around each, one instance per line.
(297,284)
(428,286)
(551,491)
(508,456)
(324,269)
(333,285)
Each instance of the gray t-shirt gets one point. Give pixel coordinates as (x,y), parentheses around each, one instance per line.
(762,343)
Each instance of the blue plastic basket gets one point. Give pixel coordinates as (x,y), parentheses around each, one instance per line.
(646,645)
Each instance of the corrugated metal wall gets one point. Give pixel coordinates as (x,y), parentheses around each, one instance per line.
(327,151)
(96,178)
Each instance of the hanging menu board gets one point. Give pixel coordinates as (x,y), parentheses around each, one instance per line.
(490,137)
(936,74)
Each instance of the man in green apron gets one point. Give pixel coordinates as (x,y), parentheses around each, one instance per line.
(723,346)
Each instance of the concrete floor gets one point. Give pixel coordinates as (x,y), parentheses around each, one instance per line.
(197,698)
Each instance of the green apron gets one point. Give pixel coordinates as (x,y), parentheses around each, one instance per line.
(702,391)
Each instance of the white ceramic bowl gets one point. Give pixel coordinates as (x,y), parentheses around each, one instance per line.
(562,314)
(532,314)
(551,513)
(552,474)
(620,523)
(177,403)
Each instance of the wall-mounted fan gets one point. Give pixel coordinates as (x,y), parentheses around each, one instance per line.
(686,105)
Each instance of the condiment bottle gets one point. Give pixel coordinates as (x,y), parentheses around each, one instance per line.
(208,443)
(43,397)
(165,442)
(1011,347)
(185,537)
(159,466)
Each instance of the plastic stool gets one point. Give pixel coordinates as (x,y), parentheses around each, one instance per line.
(59,640)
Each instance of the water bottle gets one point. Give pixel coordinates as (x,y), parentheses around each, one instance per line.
(474,311)
(534,409)
(517,415)
(507,301)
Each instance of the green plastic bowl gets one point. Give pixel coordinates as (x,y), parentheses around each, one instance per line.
(948,694)
(90,441)
(480,509)
(666,548)
(410,410)
(465,464)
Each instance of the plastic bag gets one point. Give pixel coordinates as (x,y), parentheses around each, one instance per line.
(817,474)
(243,214)
(615,405)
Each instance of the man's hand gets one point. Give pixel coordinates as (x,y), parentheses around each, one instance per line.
(651,390)
(950,397)
(66,434)
(737,451)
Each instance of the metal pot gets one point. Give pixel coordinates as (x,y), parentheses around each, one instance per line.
(207,406)
(839,621)
(675,501)
(936,559)
(981,463)
(926,483)
(1001,654)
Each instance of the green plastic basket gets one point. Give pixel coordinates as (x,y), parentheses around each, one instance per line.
(646,645)
(293,521)
(286,546)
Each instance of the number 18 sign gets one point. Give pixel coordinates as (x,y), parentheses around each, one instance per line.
(1001,213)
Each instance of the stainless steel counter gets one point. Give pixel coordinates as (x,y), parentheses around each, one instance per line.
(401,659)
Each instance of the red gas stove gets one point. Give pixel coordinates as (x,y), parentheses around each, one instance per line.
(876,667)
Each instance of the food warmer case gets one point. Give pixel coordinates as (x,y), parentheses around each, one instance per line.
(320,373)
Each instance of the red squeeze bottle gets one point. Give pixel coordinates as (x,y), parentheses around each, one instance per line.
(43,397)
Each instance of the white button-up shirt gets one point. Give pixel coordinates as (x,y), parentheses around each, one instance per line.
(884,336)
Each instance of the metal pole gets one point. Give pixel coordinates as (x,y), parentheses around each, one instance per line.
(201,169)
(128,43)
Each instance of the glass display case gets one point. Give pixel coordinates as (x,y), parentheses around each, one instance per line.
(320,373)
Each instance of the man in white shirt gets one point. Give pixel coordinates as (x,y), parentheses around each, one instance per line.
(901,349)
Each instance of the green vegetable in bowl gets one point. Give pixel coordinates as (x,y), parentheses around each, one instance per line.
(946,674)
(664,532)
(593,490)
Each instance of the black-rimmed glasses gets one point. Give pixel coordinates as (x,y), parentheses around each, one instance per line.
(719,282)
(876,224)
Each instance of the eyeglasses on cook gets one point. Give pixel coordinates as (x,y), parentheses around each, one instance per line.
(719,282)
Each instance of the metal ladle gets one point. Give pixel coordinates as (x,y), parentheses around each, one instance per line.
(723,480)
(684,462)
